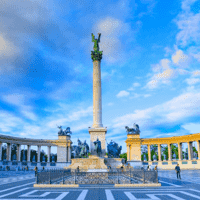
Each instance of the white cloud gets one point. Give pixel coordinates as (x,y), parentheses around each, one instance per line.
(123,93)
(179,108)
(196,73)
(136,84)
(189,25)
(180,59)
(19,100)
(192,81)
(192,127)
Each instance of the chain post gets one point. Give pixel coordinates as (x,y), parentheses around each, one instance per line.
(74,176)
(63,177)
(118,176)
(143,176)
(49,176)
(37,177)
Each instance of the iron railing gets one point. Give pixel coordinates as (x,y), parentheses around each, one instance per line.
(114,176)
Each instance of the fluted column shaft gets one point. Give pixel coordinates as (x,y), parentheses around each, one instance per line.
(19,152)
(49,153)
(159,152)
(28,153)
(180,156)
(38,156)
(0,151)
(97,102)
(198,149)
(129,153)
(8,152)
(169,152)
(189,151)
(149,152)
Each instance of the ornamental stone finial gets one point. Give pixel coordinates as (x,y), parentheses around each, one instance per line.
(96,54)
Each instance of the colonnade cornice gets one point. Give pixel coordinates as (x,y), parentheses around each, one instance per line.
(165,140)
(32,142)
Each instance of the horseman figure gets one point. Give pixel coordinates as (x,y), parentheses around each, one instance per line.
(114,150)
(97,148)
(134,130)
(83,148)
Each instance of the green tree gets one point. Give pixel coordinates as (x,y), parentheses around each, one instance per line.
(124,155)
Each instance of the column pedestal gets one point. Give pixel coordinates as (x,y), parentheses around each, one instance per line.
(99,133)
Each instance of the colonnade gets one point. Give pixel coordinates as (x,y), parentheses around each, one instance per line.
(9,140)
(180,156)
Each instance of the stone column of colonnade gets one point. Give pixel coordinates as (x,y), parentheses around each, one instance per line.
(180,156)
(19,152)
(169,152)
(149,152)
(190,157)
(28,153)
(49,153)
(159,152)
(198,148)
(8,151)
(38,156)
(0,151)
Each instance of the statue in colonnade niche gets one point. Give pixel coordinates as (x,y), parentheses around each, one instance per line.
(174,156)
(195,155)
(154,157)
(144,156)
(33,159)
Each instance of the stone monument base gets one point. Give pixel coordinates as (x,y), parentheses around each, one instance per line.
(85,164)
(114,162)
(135,164)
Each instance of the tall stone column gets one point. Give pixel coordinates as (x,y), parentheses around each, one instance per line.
(38,156)
(97,130)
(18,152)
(198,148)
(159,152)
(8,152)
(49,153)
(28,153)
(169,152)
(149,152)
(1,151)
(189,151)
(180,156)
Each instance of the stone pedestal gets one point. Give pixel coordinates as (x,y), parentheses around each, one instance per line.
(99,133)
(135,164)
(87,163)
(62,150)
(114,162)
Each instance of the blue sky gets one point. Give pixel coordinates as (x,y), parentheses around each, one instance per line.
(150,67)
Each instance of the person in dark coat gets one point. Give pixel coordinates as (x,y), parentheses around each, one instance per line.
(178,170)
(36,170)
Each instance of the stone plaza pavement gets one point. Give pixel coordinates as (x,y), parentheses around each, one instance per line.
(188,188)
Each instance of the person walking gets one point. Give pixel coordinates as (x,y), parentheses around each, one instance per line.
(36,170)
(155,168)
(78,169)
(178,170)
(43,169)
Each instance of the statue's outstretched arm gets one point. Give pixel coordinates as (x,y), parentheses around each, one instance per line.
(93,38)
(99,35)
